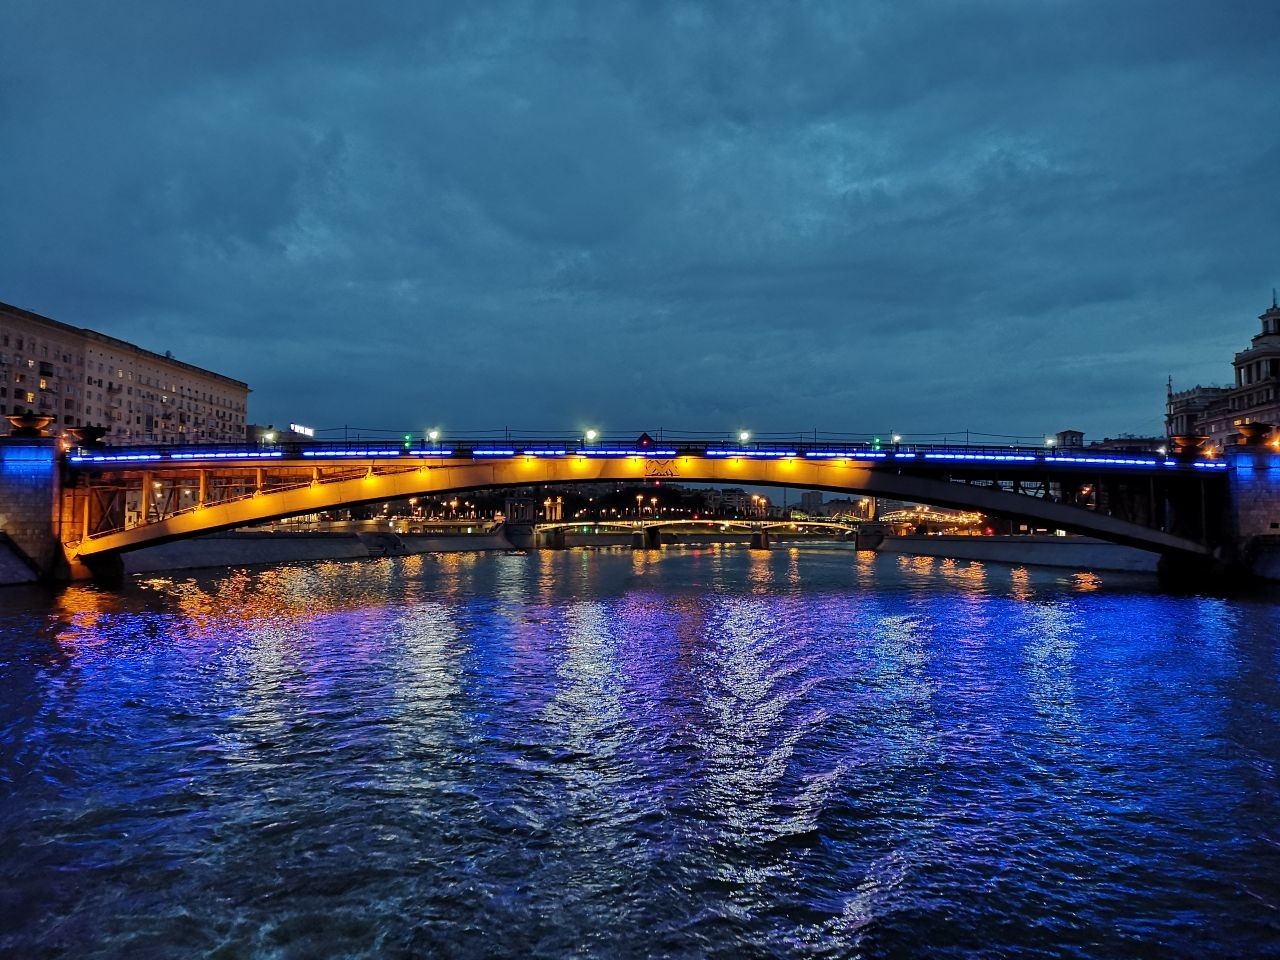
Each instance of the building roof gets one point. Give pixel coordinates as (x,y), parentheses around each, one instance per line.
(115,343)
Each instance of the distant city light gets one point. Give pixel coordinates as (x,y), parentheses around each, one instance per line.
(897,438)
(591,435)
(744,436)
(433,435)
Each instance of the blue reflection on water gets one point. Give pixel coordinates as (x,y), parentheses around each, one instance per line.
(704,752)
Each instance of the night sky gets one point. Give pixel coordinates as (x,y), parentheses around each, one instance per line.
(1011,217)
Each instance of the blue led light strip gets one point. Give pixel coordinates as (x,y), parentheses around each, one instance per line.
(116,458)
(351,453)
(597,452)
(753,454)
(431,453)
(850,454)
(239,455)
(1002,457)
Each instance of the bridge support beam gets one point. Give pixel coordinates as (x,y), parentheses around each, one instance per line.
(144,500)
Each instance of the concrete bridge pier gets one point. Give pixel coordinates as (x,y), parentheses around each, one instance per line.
(553,539)
(646,538)
(106,570)
(760,539)
(520,535)
(1255,507)
(31,500)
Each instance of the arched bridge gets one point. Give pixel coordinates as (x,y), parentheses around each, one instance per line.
(121,499)
(710,523)
(650,532)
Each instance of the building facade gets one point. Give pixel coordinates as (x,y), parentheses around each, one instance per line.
(1219,412)
(84,378)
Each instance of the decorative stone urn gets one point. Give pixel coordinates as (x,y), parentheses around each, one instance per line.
(28,424)
(1251,434)
(87,436)
(1188,447)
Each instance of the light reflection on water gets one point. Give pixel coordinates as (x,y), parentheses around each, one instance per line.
(689,752)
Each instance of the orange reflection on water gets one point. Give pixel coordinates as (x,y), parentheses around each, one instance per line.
(970,573)
(1086,581)
(760,572)
(918,564)
(82,612)
(1020,585)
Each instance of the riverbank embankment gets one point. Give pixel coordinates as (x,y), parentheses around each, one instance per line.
(1083,553)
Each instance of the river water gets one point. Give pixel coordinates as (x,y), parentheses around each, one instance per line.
(703,752)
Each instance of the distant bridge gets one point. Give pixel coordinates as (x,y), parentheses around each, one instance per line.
(123,498)
(649,532)
(722,523)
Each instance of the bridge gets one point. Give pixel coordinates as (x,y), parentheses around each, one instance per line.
(649,533)
(119,499)
(740,524)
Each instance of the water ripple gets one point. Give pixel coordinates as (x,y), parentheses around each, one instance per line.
(696,752)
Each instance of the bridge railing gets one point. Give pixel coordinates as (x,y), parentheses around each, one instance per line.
(901,453)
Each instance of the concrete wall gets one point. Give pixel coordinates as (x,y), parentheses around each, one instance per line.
(14,567)
(1080,553)
(248,548)
(29,492)
(1255,491)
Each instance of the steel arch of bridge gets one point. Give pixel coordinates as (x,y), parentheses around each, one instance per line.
(236,487)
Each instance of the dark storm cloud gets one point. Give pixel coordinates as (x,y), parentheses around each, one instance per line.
(1008,216)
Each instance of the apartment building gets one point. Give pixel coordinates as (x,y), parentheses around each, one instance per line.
(84,378)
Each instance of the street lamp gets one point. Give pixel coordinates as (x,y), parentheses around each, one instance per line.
(744,436)
(639,501)
(591,435)
(433,435)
